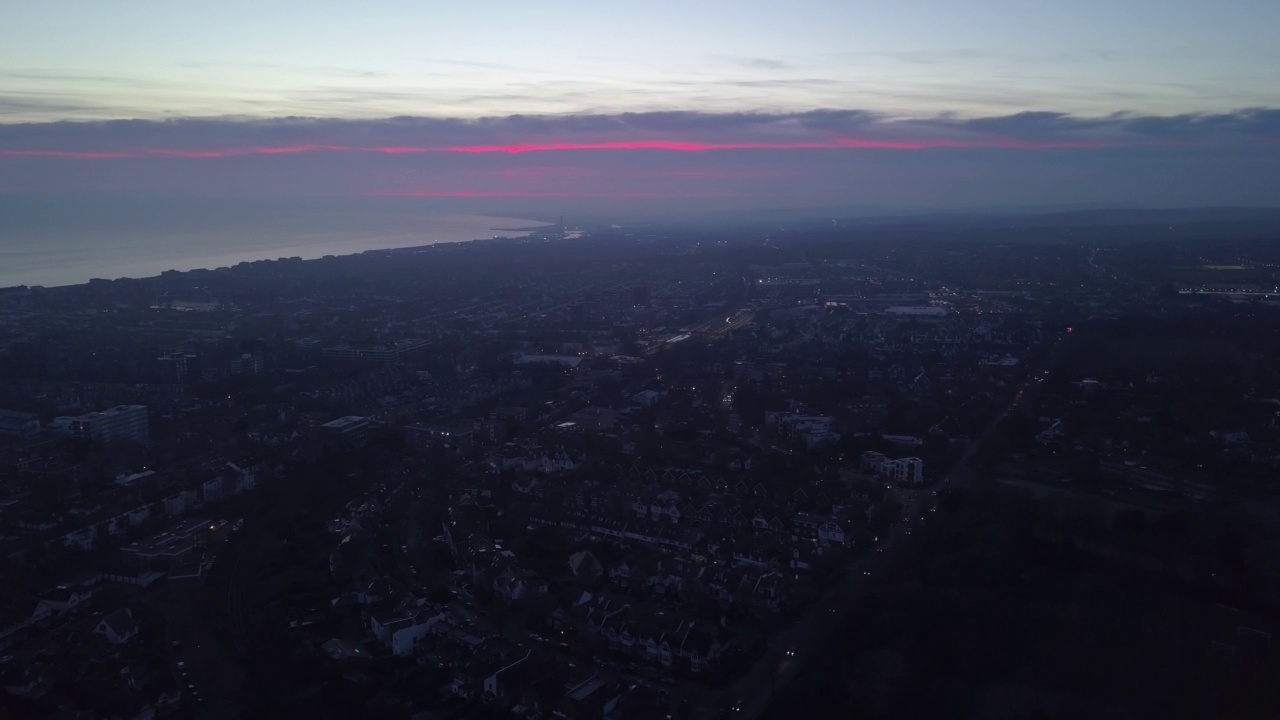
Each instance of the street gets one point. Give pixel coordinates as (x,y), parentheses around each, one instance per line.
(207,664)
(962,476)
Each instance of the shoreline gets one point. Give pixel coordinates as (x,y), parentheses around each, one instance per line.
(405,249)
(90,263)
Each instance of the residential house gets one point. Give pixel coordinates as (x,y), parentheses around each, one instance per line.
(119,627)
(583,564)
(64,598)
(503,683)
(762,591)
(592,699)
(406,638)
(621,575)
(514,584)
(698,644)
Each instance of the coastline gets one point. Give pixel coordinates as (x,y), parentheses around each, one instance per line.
(78,258)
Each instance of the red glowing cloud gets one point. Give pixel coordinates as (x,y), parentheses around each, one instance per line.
(501,194)
(682,146)
(671,132)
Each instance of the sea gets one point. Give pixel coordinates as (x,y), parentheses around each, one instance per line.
(66,242)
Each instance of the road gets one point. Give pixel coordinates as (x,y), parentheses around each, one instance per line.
(209,667)
(963,474)
(731,323)
(226,632)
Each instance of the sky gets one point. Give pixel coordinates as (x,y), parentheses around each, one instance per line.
(562,105)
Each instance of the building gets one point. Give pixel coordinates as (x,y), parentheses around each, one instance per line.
(247,364)
(119,627)
(351,430)
(502,422)
(391,352)
(907,471)
(120,424)
(172,546)
(177,366)
(916,310)
(19,423)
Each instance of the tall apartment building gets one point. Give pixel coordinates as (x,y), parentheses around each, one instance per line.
(176,367)
(908,471)
(247,364)
(123,423)
(19,423)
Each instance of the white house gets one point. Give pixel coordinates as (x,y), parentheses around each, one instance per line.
(64,599)
(830,533)
(405,640)
(81,538)
(119,627)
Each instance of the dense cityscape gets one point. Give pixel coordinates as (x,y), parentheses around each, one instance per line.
(1014,468)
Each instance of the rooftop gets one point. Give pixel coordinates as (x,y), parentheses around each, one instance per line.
(346,423)
(339,649)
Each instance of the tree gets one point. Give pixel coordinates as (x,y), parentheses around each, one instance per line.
(1129,526)
(885,514)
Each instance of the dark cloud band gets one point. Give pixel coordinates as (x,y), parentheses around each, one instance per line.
(659,131)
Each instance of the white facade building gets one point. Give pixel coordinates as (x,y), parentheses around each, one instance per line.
(123,423)
(908,470)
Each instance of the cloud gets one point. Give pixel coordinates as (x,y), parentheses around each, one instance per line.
(946,56)
(25,103)
(1244,125)
(700,160)
(432,193)
(1256,122)
(753,63)
(782,83)
(675,131)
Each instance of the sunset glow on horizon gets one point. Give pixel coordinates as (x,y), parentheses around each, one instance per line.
(738,104)
(537,147)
